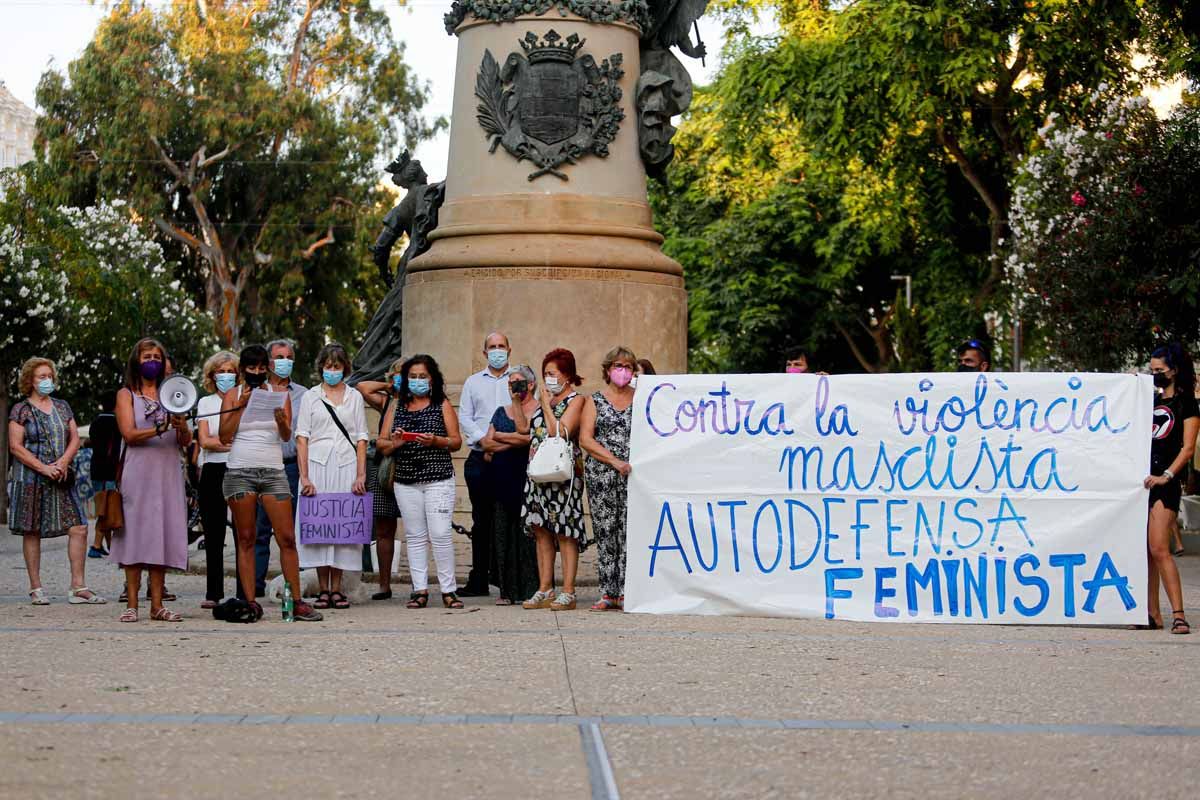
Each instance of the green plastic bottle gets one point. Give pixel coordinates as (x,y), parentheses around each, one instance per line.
(289,603)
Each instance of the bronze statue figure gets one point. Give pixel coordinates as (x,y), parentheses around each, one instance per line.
(664,88)
(415,215)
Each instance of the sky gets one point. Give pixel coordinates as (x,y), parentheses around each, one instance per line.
(39,34)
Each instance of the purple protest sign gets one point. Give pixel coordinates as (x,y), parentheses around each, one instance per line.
(335,518)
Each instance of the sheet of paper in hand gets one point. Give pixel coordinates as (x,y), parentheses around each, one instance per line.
(1000,498)
(335,518)
(262,405)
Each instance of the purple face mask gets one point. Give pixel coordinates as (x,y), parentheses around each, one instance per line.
(151,369)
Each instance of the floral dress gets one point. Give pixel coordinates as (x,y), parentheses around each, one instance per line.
(38,505)
(607,491)
(557,507)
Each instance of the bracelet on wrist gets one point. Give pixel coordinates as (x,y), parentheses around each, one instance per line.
(1168,474)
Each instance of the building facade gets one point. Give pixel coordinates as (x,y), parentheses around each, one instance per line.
(16,130)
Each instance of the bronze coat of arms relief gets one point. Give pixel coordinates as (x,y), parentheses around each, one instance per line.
(549,104)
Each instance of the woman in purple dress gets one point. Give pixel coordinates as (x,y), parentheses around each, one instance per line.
(155,533)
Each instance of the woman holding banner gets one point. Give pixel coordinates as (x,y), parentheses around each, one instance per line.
(553,512)
(604,436)
(1175,427)
(331,451)
(255,421)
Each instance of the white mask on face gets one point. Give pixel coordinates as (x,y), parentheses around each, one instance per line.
(552,385)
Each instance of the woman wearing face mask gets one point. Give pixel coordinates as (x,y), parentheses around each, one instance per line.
(1175,427)
(553,512)
(604,436)
(424,432)
(381,395)
(155,534)
(331,449)
(220,375)
(516,555)
(254,472)
(43,440)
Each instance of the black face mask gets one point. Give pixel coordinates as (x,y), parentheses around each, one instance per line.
(965,368)
(1161,380)
(255,379)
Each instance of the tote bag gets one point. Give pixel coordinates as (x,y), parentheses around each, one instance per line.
(553,462)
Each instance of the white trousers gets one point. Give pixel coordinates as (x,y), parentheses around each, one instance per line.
(427,509)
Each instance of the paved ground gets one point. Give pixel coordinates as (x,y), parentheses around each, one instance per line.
(501,702)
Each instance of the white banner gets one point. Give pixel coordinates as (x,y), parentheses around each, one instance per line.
(1007,498)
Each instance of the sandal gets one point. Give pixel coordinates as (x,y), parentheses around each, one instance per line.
(339,600)
(38,597)
(564,602)
(128,615)
(450,600)
(208,604)
(164,614)
(503,601)
(417,600)
(386,595)
(84,595)
(1151,625)
(1180,625)
(322,600)
(605,603)
(1178,553)
(539,599)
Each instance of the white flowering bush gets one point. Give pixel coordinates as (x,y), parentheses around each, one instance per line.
(1104,235)
(81,285)
(34,298)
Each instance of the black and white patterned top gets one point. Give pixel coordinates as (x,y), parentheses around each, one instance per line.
(416,463)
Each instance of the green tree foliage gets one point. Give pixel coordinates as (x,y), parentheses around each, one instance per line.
(249,133)
(913,118)
(1106,237)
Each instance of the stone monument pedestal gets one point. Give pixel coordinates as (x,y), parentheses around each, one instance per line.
(553,262)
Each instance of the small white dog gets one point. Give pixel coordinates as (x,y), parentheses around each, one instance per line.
(352,586)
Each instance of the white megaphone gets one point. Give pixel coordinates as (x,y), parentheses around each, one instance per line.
(178,395)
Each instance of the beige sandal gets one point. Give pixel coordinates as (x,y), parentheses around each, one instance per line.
(84,595)
(164,614)
(128,615)
(38,597)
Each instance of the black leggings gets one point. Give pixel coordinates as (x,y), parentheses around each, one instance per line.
(213,515)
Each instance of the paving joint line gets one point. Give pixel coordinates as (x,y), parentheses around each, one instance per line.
(582,721)
(600,771)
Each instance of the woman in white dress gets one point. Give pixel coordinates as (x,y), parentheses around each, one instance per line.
(331,458)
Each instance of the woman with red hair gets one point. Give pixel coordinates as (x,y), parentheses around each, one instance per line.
(553,512)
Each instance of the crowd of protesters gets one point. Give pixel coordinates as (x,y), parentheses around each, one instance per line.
(250,471)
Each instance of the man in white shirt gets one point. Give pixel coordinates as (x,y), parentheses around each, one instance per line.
(482,394)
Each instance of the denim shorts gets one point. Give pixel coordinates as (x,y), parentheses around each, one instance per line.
(256,480)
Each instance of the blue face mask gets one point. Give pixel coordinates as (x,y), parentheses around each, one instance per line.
(332,377)
(396,381)
(283,367)
(497,358)
(45,387)
(225,381)
(419,386)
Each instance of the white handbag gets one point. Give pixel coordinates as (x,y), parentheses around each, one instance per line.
(553,462)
